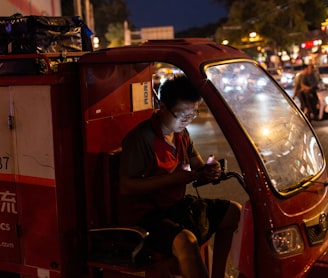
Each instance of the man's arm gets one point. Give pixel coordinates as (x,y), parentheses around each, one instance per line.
(135,186)
(297,84)
(144,185)
(136,167)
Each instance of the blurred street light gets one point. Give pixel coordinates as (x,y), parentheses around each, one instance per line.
(95,42)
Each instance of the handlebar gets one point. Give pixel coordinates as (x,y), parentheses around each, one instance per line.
(224,176)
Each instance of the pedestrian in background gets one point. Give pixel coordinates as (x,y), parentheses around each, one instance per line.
(309,85)
(298,92)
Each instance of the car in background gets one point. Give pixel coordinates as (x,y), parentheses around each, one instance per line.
(287,79)
(288,74)
(275,73)
(323,71)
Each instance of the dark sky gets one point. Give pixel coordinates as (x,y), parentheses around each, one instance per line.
(182,14)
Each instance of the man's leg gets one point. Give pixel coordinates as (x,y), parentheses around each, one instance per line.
(307,99)
(223,239)
(186,250)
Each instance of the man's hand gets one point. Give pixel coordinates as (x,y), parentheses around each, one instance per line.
(208,173)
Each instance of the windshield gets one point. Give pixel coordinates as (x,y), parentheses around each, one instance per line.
(287,146)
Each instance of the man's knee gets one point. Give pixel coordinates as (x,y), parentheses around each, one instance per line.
(185,241)
(232,217)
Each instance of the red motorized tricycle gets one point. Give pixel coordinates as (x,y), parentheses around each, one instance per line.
(62,133)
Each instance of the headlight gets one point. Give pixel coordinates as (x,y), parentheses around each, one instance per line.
(286,241)
(283,79)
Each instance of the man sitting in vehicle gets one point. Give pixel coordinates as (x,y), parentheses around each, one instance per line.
(309,84)
(158,160)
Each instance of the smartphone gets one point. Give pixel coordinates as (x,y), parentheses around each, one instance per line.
(224,165)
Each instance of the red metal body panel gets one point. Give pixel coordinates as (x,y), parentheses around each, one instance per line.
(48,228)
(9,220)
(319,268)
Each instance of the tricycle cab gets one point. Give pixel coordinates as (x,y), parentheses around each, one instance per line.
(266,138)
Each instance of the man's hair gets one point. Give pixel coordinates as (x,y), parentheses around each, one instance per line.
(178,88)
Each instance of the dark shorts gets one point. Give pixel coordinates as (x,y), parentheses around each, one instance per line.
(164,224)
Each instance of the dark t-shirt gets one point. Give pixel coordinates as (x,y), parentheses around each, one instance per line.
(145,153)
(310,80)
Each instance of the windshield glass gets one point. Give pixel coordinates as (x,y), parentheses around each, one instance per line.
(287,146)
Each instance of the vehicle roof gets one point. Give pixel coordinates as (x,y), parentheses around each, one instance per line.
(176,51)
